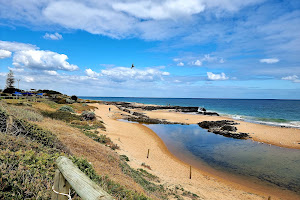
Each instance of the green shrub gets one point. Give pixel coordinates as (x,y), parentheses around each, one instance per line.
(113,188)
(66,109)
(70,101)
(61,115)
(26,174)
(88,116)
(73,97)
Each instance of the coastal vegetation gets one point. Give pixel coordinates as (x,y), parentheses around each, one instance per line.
(30,144)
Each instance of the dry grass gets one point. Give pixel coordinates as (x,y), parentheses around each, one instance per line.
(43,106)
(52,106)
(26,113)
(79,107)
(104,160)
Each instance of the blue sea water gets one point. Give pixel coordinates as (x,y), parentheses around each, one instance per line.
(266,111)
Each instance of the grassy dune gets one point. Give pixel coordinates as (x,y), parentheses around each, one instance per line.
(38,133)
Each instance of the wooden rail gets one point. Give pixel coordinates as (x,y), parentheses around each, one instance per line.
(69,175)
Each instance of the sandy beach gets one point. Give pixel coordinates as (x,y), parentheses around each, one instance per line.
(135,140)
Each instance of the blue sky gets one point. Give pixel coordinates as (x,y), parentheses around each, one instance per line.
(180,48)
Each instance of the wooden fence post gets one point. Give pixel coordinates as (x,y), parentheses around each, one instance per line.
(61,185)
(148,153)
(83,185)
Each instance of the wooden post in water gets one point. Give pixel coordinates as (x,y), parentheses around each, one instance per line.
(190,172)
(61,186)
(148,153)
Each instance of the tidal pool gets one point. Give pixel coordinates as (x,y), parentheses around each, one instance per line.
(254,161)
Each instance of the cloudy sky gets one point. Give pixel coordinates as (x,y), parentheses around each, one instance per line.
(180,48)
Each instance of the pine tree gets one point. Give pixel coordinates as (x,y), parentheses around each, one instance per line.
(10,79)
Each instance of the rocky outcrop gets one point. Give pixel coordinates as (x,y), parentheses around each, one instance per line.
(208,113)
(125,106)
(139,117)
(223,127)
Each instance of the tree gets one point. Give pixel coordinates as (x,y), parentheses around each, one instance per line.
(10,80)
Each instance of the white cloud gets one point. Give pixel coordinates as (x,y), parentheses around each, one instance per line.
(222,60)
(51,72)
(159,10)
(208,58)
(197,63)
(16,69)
(91,73)
(176,59)
(28,79)
(216,77)
(4,54)
(269,60)
(54,36)
(122,74)
(46,60)
(180,64)
(116,18)
(293,78)
(16,46)
(96,18)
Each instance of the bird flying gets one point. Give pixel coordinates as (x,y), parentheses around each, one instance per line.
(132,66)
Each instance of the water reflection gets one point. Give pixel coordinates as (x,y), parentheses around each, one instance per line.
(271,164)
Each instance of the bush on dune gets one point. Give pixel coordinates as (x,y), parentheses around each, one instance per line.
(66,109)
(88,116)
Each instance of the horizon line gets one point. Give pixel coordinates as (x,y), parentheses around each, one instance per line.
(187,98)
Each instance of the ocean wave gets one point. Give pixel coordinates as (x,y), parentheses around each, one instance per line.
(265,121)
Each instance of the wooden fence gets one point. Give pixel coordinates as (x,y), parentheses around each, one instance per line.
(68,175)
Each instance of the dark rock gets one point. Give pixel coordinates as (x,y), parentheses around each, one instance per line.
(147,120)
(229,128)
(138,114)
(223,127)
(187,109)
(216,124)
(201,109)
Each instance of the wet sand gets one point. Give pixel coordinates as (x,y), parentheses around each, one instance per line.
(135,140)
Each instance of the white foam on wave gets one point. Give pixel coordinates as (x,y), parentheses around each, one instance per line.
(290,124)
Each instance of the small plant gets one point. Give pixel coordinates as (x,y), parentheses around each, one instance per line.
(146,166)
(113,188)
(88,116)
(114,146)
(84,104)
(66,109)
(70,101)
(124,157)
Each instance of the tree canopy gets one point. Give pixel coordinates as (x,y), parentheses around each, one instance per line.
(10,80)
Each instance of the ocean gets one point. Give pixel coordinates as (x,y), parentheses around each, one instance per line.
(274,112)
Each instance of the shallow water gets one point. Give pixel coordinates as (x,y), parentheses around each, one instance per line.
(271,165)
